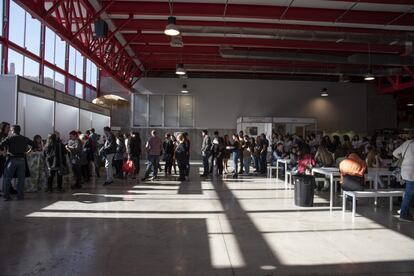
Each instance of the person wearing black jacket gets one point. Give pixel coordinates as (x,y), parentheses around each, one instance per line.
(219,150)
(134,152)
(109,150)
(205,152)
(181,157)
(17,146)
(168,153)
(4,133)
(213,159)
(74,147)
(55,156)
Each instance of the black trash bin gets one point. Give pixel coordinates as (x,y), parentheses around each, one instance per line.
(304,190)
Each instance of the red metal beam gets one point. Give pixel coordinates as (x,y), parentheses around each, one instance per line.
(58,26)
(54,7)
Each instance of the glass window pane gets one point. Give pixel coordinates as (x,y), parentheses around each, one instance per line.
(71,87)
(94,75)
(16,24)
(60,52)
(140,110)
(155,111)
(171,111)
(32,34)
(79,90)
(186,111)
(48,77)
(79,65)
(1,16)
(59,82)
(72,61)
(88,71)
(15,65)
(50,45)
(31,69)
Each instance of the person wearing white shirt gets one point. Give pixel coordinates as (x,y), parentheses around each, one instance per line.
(406,150)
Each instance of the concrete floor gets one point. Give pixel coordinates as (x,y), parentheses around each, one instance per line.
(248,226)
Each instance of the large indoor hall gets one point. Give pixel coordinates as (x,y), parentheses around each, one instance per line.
(211,137)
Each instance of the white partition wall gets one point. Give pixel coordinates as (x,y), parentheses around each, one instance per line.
(35,115)
(100,121)
(39,109)
(85,120)
(67,119)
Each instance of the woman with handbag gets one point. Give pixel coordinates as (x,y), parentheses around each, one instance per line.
(405,155)
(54,153)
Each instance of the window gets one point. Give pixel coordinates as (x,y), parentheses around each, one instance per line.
(72,60)
(156,109)
(163,111)
(31,69)
(59,82)
(140,110)
(48,77)
(50,45)
(186,111)
(17,24)
(32,39)
(90,94)
(171,111)
(15,65)
(91,73)
(79,90)
(79,65)
(1,16)
(71,87)
(60,52)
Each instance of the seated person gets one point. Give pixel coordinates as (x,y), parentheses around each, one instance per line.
(306,161)
(353,170)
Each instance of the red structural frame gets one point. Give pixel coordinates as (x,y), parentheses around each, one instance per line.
(76,27)
(7,44)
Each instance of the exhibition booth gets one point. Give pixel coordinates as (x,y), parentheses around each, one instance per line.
(254,126)
(39,109)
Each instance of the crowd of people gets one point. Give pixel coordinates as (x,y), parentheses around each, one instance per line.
(83,153)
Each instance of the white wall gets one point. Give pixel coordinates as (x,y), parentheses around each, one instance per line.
(218,102)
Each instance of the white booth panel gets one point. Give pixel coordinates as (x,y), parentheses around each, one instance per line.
(85,120)
(99,122)
(8,97)
(37,117)
(67,119)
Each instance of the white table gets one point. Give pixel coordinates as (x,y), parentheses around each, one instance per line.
(285,161)
(331,172)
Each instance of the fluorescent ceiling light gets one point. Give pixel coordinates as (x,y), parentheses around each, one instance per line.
(410,104)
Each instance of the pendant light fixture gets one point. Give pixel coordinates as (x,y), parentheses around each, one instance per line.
(369,76)
(180,70)
(324,92)
(185,90)
(171,29)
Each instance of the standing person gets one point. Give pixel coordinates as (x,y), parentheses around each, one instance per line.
(37,143)
(263,153)
(235,149)
(247,154)
(96,160)
(242,148)
(17,146)
(85,157)
(74,147)
(205,151)
(175,142)
(406,152)
(134,152)
(219,150)
(213,159)
(168,150)
(257,150)
(227,153)
(55,156)
(109,150)
(4,133)
(154,148)
(187,144)
(119,156)
(252,150)
(181,157)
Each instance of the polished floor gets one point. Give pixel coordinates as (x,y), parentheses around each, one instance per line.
(248,226)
